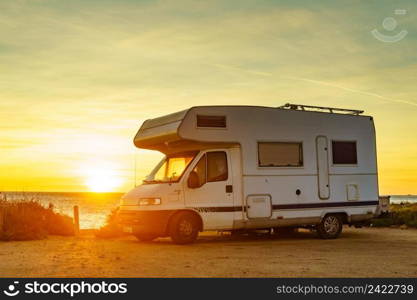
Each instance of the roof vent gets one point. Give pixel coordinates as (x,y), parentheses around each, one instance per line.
(211,121)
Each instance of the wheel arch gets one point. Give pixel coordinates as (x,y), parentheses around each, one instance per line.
(343,214)
(190,211)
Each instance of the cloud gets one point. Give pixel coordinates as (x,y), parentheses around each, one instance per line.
(316,82)
(102,67)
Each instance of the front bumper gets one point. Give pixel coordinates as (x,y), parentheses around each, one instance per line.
(145,221)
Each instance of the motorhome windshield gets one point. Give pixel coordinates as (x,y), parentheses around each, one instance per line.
(171,168)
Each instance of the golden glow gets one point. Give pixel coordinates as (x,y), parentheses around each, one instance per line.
(79,79)
(176,166)
(102,181)
(100,178)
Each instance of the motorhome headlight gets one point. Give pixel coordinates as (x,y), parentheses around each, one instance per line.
(149,201)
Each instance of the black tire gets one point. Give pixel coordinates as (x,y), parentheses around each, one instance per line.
(330,227)
(183,228)
(145,237)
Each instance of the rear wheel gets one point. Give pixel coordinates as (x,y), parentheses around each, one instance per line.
(330,227)
(183,228)
(145,237)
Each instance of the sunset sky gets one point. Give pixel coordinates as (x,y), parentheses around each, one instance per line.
(79,77)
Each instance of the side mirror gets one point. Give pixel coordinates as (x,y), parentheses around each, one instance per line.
(193,181)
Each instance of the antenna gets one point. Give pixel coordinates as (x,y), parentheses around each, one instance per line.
(311,107)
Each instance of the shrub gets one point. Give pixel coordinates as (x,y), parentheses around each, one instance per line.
(58,224)
(383,222)
(111,229)
(400,214)
(29,220)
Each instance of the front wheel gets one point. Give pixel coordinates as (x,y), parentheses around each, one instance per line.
(330,227)
(183,228)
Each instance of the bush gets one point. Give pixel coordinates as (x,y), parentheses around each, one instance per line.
(58,224)
(29,220)
(111,229)
(382,222)
(400,214)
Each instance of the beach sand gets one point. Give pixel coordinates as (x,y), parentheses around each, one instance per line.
(364,252)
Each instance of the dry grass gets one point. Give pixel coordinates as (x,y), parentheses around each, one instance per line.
(400,214)
(111,229)
(29,220)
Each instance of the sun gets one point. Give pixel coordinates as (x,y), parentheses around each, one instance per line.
(101,180)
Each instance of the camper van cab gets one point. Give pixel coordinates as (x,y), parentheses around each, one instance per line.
(232,168)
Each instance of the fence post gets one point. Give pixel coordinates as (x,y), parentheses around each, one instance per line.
(76,220)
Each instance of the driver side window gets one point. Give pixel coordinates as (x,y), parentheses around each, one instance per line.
(216,166)
(211,167)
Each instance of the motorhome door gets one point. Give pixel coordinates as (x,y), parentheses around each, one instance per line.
(210,191)
(323,167)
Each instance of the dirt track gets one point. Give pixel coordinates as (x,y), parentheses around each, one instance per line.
(365,252)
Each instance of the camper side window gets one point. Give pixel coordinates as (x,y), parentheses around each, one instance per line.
(344,153)
(280,154)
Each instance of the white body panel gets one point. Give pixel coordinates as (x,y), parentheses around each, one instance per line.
(265,196)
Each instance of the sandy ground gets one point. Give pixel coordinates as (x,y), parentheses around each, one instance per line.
(365,252)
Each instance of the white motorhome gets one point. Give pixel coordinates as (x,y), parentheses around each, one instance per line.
(231,168)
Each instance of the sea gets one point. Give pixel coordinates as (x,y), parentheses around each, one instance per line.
(95,207)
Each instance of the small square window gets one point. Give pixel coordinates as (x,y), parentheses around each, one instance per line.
(344,153)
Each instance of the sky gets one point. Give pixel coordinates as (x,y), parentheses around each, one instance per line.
(77,78)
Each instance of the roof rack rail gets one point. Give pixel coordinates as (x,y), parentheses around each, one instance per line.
(311,107)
